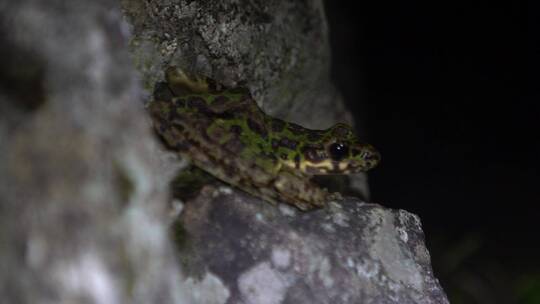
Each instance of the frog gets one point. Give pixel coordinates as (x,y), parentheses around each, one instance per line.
(224,132)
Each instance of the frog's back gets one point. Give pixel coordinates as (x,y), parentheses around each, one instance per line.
(221,130)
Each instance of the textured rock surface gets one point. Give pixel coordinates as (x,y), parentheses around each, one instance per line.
(82,182)
(82,212)
(348,253)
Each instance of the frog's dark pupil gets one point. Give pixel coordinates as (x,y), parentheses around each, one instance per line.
(338,151)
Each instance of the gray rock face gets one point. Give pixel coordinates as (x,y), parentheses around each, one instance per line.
(82,212)
(83,197)
(351,252)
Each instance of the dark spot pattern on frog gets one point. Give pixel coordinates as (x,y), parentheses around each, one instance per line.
(257,127)
(277,125)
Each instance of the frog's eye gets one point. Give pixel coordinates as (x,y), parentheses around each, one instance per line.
(338,151)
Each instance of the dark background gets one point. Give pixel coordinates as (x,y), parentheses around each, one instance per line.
(443,90)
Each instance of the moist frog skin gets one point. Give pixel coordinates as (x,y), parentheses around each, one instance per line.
(224,132)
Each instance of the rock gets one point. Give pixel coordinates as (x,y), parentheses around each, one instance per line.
(350,252)
(82,207)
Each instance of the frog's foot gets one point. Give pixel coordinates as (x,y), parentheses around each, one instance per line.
(335,196)
(188,183)
(181,83)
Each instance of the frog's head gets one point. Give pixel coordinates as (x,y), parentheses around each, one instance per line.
(338,151)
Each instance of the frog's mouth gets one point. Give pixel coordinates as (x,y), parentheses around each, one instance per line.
(365,166)
(319,162)
(364,158)
(335,167)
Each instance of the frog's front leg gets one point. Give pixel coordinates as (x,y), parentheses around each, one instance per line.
(300,191)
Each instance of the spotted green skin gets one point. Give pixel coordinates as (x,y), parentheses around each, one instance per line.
(225,133)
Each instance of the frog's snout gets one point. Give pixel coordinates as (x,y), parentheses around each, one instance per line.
(365,157)
(373,157)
